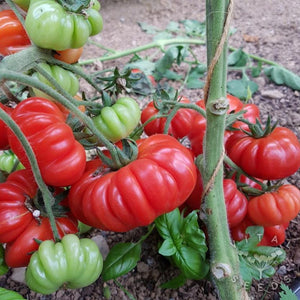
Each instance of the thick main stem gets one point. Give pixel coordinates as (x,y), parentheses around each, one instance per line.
(224,260)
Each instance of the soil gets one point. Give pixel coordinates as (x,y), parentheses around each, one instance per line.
(269,29)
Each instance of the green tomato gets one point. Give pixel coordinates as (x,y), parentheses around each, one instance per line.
(9,162)
(118,121)
(66,79)
(73,262)
(50,26)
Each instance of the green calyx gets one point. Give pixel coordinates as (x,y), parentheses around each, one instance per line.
(257,131)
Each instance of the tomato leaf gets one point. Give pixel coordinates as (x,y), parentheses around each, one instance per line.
(194,28)
(121,259)
(257,262)
(173,26)
(3,266)
(240,88)
(175,282)
(193,81)
(184,243)
(282,76)
(8,294)
(287,293)
(148,28)
(238,58)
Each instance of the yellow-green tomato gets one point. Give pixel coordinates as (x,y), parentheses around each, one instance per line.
(50,26)
(66,79)
(118,121)
(73,262)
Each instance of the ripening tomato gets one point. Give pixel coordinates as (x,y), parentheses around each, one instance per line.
(13,36)
(180,125)
(235,201)
(276,207)
(3,133)
(159,180)
(274,156)
(69,56)
(150,77)
(60,157)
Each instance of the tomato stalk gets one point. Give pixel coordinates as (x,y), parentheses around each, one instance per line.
(224,260)
(47,196)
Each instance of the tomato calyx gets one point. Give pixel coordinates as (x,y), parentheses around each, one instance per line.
(75,6)
(257,131)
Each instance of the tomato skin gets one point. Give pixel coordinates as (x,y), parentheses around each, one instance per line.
(180,125)
(66,79)
(51,139)
(18,252)
(274,156)
(14,215)
(132,196)
(73,262)
(4,144)
(275,208)
(235,201)
(118,121)
(12,34)
(45,18)
(69,56)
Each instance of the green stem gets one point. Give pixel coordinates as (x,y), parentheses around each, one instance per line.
(155,44)
(258,58)
(101,46)
(33,82)
(224,262)
(47,196)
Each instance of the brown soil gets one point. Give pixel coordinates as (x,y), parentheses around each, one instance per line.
(267,28)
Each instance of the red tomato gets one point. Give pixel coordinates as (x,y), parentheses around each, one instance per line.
(3,134)
(197,131)
(159,180)
(13,36)
(60,157)
(18,252)
(273,235)
(251,114)
(274,156)
(151,78)
(69,56)
(180,125)
(235,201)
(275,208)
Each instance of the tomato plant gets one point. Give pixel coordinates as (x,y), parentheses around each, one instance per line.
(180,125)
(273,156)
(12,34)
(60,157)
(118,121)
(275,207)
(73,262)
(124,199)
(74,28)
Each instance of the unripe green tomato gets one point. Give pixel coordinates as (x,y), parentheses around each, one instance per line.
(66,79)
(118,121)
(9,161)
(50,26)
(73,262)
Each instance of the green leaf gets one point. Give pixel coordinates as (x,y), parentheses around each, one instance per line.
(145,66)
(257,262)
(240,88)
(193,81)
(287,293)
(167,248)
(174,283)
(121,259)
(185,241)
(194,28)
(238,58)
(173,26)
(3,266)
(74,5)
(282,76)
(172,75)
(148,28)
(164,35)
(9,295)
(255,71)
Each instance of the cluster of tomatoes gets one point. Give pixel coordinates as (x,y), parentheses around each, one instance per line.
(159,178)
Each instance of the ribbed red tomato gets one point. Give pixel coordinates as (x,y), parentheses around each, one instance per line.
(159,180)
(3,133)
